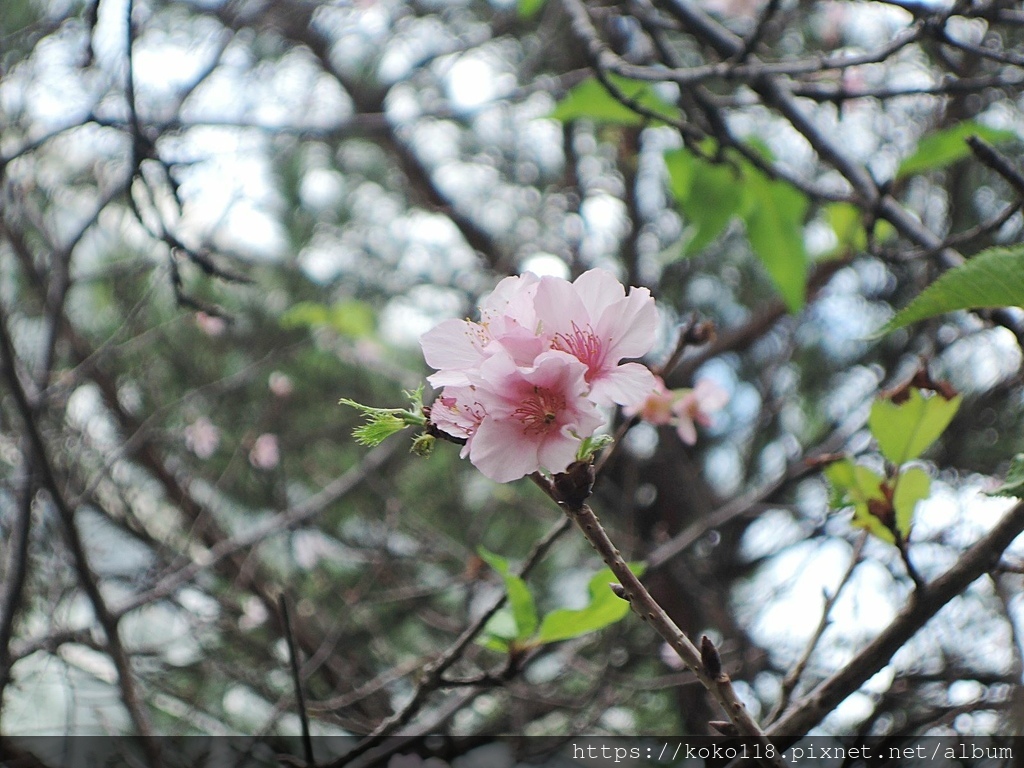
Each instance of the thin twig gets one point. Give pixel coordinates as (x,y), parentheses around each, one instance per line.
(88,580)
(710,674)
(432,675)
(300,699)
(759,31)
(792,678)
(928,601)
(988,154)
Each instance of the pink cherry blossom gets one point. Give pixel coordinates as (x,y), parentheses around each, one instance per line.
(535,417)
(507,322)
(657,408)
(594,320)
(280,384)
(458,412)
(683,408)
(265,452)
(523,384)
(211,325)
(202,437)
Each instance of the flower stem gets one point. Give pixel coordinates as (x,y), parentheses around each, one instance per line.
(716,681)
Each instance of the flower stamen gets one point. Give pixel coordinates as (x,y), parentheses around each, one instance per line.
(584,345)
(539,412)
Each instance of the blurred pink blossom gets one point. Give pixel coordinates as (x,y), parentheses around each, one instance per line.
(202,437)
(280,384)
(211,325)
(265,452)
(683,408)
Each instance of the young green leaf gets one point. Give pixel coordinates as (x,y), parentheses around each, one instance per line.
(494,643)
(527,9)
(992,278)
(378,429)
(905,430)
(864,517)
(774,216)
(847,222)
(912,485)
(860,487)
(856,484)
(381,423)
(604,609)
(947,146)
(499,632)
(352,318)
(708,195)
(1013,485)
(524,611)
(590,100)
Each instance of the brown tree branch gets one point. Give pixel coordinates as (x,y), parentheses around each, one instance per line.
(925,603)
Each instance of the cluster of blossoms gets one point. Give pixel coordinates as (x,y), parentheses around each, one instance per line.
(524,385)
(682,408)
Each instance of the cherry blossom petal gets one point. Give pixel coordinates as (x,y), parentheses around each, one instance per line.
(687,430)
(457,412)
(630,324)
(453,345)
(598,289)
(710,396)
(536,416)
(656,407)
(558,452)
(627,384)
(558,306)
(492,453)
(513,298)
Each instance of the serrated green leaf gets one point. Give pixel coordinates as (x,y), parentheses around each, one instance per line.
(379,429)
(858,483)
(1013,485)
(527,9)
(524,610)
(912,486)
(945,147)
(855,485)
(604,609)
(992,278)
(862,518)
(774,216)
(905,430)
(708,195)
(590,100)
